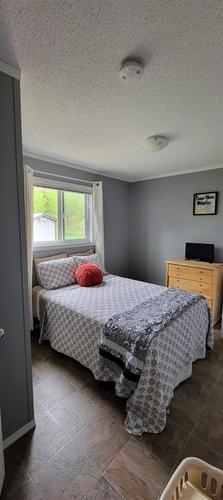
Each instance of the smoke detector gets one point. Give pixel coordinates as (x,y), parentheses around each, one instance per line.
(131,70)
(156,142)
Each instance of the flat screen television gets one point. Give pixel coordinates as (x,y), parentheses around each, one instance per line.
(199,251)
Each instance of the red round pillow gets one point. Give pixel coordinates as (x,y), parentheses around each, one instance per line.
(88,275)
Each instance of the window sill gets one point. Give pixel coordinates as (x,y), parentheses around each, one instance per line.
(62,246)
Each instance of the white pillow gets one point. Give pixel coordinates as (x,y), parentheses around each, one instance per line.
(92,259)
(56,273)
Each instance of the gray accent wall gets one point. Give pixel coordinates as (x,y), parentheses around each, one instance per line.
(115,196)
(161,221)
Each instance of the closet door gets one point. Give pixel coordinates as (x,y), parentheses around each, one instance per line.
(15,373)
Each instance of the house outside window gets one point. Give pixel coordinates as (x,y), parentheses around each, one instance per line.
(44,227)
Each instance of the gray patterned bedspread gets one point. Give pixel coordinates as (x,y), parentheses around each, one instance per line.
(126,337)
(73,319)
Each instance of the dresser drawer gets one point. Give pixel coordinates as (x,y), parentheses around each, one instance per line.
(192,286)
(190,273)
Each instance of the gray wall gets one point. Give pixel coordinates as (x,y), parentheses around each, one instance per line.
(15,354)
(161,221)
(115,195)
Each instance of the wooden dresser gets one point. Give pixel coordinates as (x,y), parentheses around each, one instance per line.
(198,277)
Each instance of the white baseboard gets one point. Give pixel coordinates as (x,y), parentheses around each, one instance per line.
(18,434)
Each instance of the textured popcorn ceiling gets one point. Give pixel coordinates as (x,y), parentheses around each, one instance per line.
(75,107)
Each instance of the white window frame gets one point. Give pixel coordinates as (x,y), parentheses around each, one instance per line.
(65,186)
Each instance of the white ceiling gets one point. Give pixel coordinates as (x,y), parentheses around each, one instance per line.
(75,107)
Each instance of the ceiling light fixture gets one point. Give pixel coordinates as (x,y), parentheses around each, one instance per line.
(156,142)
(131,70)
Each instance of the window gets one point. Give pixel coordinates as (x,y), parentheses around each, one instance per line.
(61,213)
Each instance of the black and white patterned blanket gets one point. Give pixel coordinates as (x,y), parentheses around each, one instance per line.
(126,337)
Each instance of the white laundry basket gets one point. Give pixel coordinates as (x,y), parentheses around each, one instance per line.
(194,480)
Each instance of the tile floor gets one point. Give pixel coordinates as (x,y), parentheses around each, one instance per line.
(80,448)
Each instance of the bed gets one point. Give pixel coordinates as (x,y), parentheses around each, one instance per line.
(72,318)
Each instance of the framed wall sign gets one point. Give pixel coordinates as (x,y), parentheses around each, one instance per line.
(205,203)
